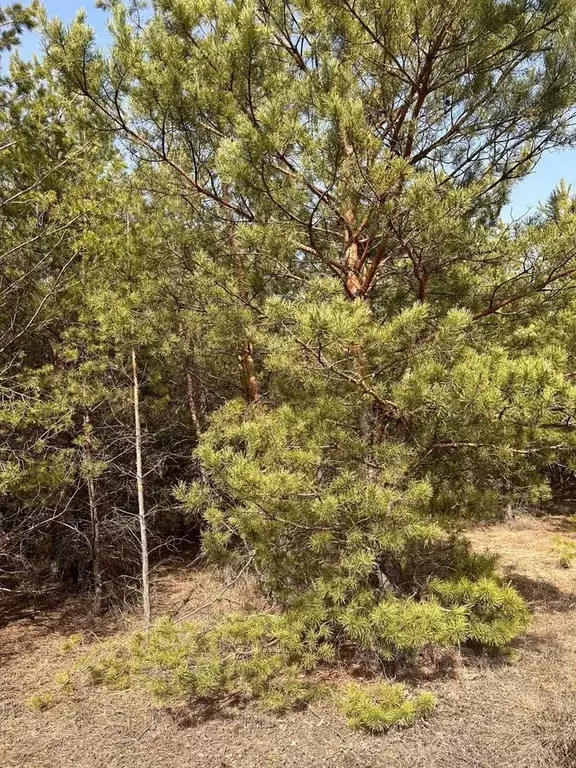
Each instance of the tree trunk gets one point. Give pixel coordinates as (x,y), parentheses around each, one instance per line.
(195,401)
(94,518)
(140,487)
(191,402)
(250,383)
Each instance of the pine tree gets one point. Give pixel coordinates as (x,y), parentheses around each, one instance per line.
(344,167)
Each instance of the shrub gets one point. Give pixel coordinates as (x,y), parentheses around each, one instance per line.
(40,702)
(565,550)
(262,657)
(269,659)
(495,612)
(71,642)
(343,533)
(377,708)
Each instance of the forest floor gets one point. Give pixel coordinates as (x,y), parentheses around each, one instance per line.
(514,715)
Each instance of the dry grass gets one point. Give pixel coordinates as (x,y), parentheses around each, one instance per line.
(521,715)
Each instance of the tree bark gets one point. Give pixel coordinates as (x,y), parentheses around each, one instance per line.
(94,517)
(250,382)
(140,488)
(191,402)
(195,400)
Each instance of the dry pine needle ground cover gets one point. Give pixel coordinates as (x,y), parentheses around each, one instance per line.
(519,715)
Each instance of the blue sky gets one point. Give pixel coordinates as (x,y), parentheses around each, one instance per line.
(67,10)
(535,188)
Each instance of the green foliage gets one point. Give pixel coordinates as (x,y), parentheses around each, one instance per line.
(377,708)
(262,657)
(271,660)
(343,530)
(496,613)
(565,551)
(348,357)
(65,681)
(72,642)
(40,702)
(15,19)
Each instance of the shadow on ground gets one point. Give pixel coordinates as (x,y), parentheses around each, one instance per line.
(541,594)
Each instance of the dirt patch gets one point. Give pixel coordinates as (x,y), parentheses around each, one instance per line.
(519,715)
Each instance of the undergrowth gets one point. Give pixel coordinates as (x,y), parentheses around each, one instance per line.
(280,660)
(268,659)
(40,702)
(262,657)
(376,708)
(565,550)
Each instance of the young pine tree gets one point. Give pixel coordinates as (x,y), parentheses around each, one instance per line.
(350,163)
